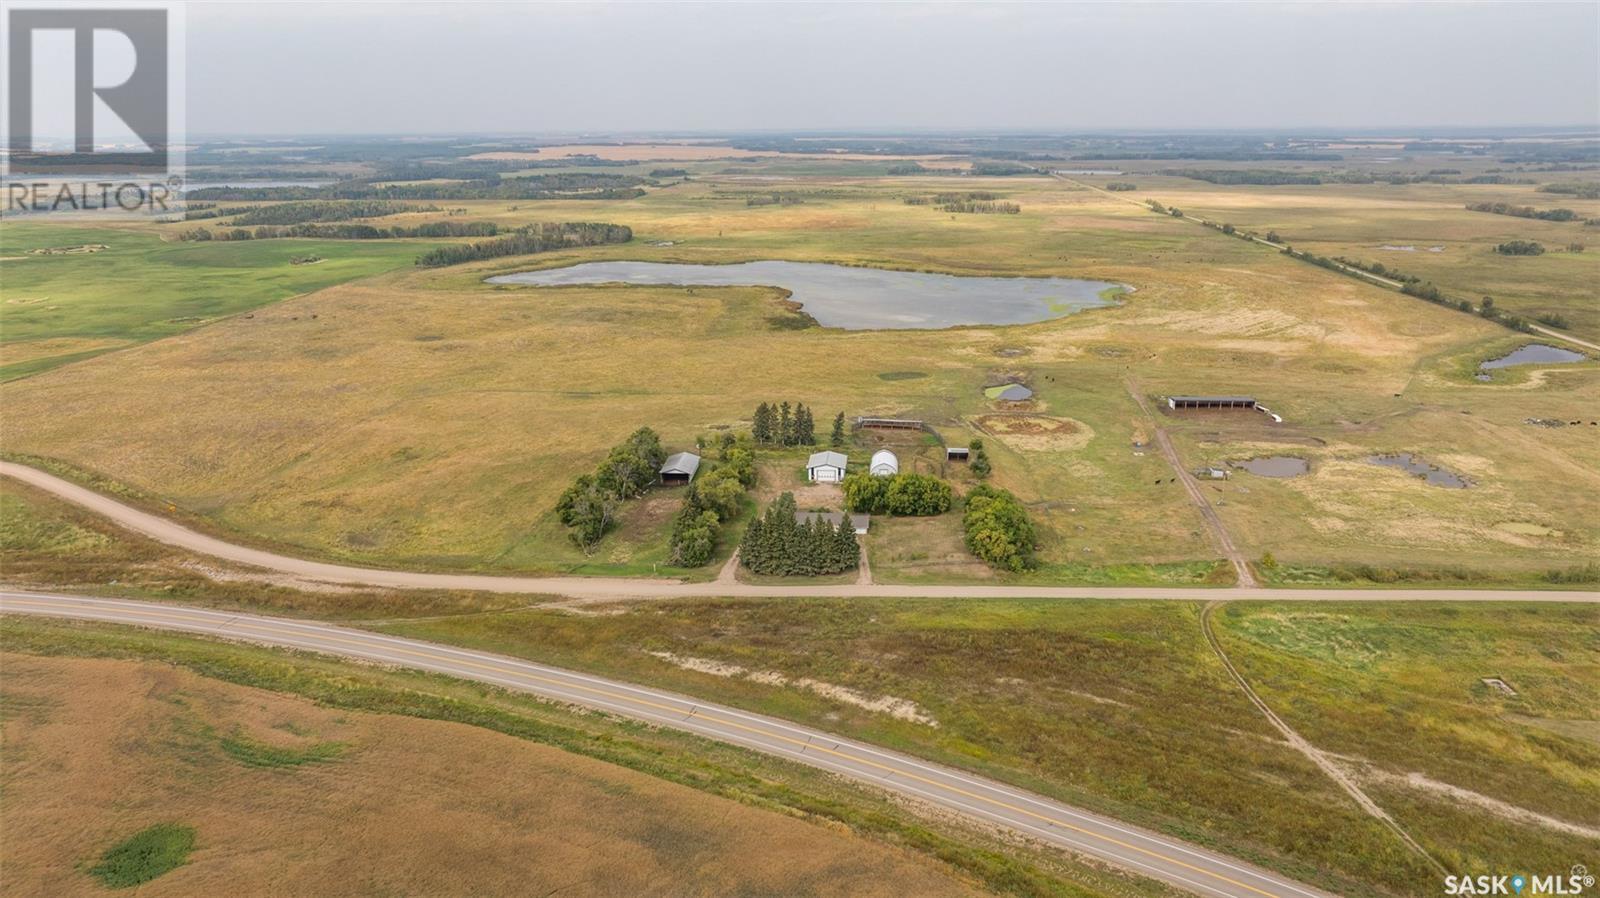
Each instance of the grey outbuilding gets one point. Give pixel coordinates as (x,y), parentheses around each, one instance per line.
(679,468)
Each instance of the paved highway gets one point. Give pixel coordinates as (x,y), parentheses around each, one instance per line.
(166,531)
(1189,867)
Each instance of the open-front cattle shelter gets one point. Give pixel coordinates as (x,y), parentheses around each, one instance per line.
(1210,402)
(679,468)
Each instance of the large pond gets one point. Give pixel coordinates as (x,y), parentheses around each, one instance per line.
(1535,354)
(1433,474)
(859,298)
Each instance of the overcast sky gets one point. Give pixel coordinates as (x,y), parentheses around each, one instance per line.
(345,67)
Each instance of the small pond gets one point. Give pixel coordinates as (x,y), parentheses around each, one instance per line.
(1009,393)
(1535,354)
(1273,466)
(859,298)
(1436,476)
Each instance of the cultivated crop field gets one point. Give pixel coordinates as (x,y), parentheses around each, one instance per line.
(422,418)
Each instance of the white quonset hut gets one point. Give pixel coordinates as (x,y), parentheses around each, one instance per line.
(884,464)
(826,467)
(679,468)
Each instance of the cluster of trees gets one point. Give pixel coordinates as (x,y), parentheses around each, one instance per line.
(710,502)
(669,173)
(980,460)
(775,199)
(939,199)
(998,530)
(901,495)
(1586,190)
(780,425)
(1377,268)
(588,508)
(534,238)
(324,210)
(908,168)
(1524,211)
(1520,248)
(982,208)
(1244,175)
(1001,169)
(1121,186)
(345,231)
(1485,308)
(777,544)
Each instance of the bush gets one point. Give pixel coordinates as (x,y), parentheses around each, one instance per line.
(902,495)
(998,530)
(148,854)
(588,508)
(1520,248)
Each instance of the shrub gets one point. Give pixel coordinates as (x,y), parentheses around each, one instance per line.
(998,530)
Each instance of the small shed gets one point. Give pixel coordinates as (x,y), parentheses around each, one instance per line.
(1176,402)
(858,522)
(884,464)
(826,467)
(957,453)
(679,468)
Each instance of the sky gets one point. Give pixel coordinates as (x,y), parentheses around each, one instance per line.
(571,68)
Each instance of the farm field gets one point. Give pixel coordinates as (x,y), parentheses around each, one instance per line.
(67,307)
(426,419)
(284,792)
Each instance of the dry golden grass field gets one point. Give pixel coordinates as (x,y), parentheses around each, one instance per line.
(424,418)
(289,796)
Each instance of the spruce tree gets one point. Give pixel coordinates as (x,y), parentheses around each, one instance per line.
(805,430)
(785,425)
(837,438)
(761,427)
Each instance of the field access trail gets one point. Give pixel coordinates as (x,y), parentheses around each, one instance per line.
(602,588)
(1188,867)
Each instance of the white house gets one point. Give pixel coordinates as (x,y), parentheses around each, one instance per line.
(884,464)
(826,467)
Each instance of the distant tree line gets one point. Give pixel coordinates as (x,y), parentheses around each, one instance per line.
(562,185)
(710,502)
(324,210)
(777,424)
(777,544)
(982,208)
(998,530)
(1001,169)
(669,173)
(1121,186)
(588,508)
(344,231)
(533,238)
(1586,190)
(775,199)
(904,494)
(1524,211)
(939,199)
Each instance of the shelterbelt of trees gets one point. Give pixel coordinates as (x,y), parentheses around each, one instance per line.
(560,185)
(534,238)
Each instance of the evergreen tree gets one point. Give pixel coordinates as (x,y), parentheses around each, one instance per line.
(761,428)
(785,425)
(836,439)
(805,431)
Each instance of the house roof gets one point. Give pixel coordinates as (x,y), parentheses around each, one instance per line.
(685,463)
(1212,398)
(858,522)
(827,459)
(884,455)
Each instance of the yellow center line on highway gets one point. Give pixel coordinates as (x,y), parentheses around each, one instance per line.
(282,631)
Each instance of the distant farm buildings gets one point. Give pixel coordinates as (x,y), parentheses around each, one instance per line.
(1185,402)
(826,467)
(884,464)
(679,468)
(858,522)
(891,423)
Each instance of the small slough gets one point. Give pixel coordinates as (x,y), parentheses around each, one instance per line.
(1273,466)
(857,297)
(1532,354)
(1433,474)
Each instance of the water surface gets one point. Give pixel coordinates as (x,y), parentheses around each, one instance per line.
(1536,354)
(856,298)
(1436,476)
(1273,466)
